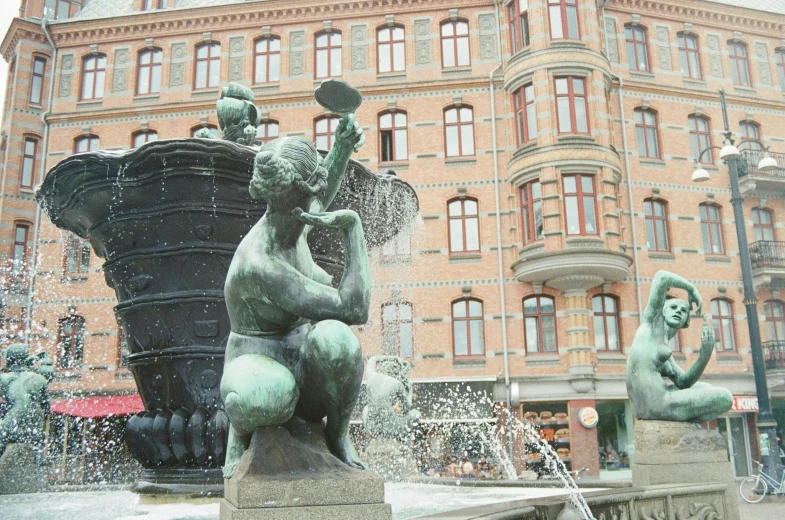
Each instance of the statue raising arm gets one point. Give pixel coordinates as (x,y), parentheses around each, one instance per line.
(663,281)
(686,379)
(348,137)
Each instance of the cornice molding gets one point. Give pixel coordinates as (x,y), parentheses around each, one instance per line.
(20,30)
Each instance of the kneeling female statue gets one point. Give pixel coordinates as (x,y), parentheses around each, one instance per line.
(291,351)
(651,359)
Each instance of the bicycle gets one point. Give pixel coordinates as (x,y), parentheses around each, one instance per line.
(754,489)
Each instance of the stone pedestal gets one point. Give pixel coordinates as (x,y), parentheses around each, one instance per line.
(670,452)
(19,472)
(287,473)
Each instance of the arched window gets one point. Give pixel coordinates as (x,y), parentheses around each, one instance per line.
(77,255)
(459,131)
(29,155)
(739,63)
(455,44)
(266,131)
(142,137)
(637,47)
(711,229)
(656,216)
(19,254)
(606,322)
(775,320)
(525,114)
(64,8)
(87,143)
(267,60)
(539,324)
(70,342)
(37,80)
(393,138)
(750,135)
(464,227)
(531,211)
(700,138)
(93,76)
(689,56)
(397,331)
(207,72)
(646,133)
(572,106)
(211,131)
(148,80)
(563,15)
(152,5)
(328,54)
(518,11)
(467,327)
(580,205)
(324,131)
(763,224)
(779,57)
(724,332)
(390,49)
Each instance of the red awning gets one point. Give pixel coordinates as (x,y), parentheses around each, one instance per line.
(103,406)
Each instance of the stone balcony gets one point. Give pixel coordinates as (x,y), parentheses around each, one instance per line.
(753,182)
(768,263)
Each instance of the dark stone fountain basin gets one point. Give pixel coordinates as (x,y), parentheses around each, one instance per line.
(167,218)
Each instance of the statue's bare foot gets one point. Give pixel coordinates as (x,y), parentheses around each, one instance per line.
(234,452)
(344,450)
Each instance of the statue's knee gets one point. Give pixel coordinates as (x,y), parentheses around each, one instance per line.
(334,340)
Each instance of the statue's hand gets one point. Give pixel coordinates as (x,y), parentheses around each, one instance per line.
(350,132)
(707,339)
(340,219)
(695,298)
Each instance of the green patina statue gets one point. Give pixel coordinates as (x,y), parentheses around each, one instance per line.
(651,359)
(291,351)
(26,397)
(237,114)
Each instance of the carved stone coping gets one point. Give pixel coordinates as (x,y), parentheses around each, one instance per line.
(599,263)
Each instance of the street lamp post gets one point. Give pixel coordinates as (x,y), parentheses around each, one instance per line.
(767,424)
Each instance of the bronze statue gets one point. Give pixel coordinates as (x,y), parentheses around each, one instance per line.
(651,359)
(26,395)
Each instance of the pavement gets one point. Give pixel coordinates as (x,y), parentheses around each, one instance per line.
(771,508)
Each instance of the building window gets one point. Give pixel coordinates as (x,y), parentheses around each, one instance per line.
(572,106)
(28,163)
(775,320)
(464,226)
(397,329)
(750,135)
(266,132)
(700,138)
(539,324)
(70,342)
(393,137)
(724,334)
(563,16)
(711,229)
(390,49)
(656,215)
(459,131)
(93,75)
(152,5)
(467,328)
(646,134)
(525,114)
(63,9)
(779,57)
(86,143)
(208,65)
(324,132)
(579,205)
(689,57)
(267,60)
(606,322)
(739,64)
(140,138)
(518,11)
(77,255)
(531,208)
(149,77)
(19,259)
(637,47)
(328,54)
(455,44)
(211,131)
(763,224)
(37,81)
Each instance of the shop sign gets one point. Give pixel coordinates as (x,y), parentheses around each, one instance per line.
(744,403)
(588,417)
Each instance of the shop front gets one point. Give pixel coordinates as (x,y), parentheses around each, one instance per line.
(738,428)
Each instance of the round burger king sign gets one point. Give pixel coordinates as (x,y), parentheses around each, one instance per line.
(588,417)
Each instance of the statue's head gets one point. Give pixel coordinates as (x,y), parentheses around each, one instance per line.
(676,313)
(16,356)
(288,167)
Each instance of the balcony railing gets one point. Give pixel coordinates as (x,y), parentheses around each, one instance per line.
(753,157)
(767,253)
(774,354)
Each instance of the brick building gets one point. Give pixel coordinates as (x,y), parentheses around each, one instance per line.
(551,144)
